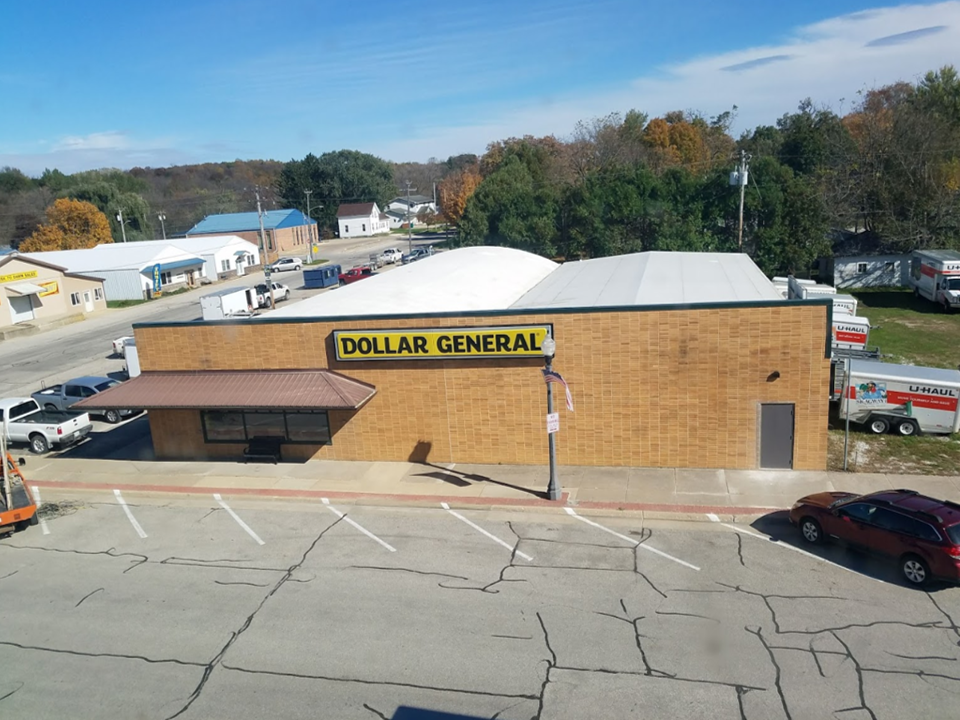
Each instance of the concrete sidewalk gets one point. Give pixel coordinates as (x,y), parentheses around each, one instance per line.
(668,492)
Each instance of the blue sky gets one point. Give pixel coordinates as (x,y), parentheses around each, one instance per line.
(118,84)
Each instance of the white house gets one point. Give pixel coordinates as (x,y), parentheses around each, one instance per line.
(361,220)
(859,261)
(415,204)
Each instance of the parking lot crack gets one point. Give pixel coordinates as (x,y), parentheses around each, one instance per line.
(375,712)
(739,538)
(551,664)
(690,615)
(209,667)
(921,657)
(778,673)
(19,685)
(636,569)
(9,574)
(377,683)
(239,582)
(109,552)
(88,595)
(859,671)
(953,624)
(406,570)
(118,656)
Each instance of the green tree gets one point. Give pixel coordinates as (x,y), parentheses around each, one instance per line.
(344,176)
(13,181)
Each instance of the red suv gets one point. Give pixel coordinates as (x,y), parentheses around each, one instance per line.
(921,533)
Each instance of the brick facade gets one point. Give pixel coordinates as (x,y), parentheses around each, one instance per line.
(652,388)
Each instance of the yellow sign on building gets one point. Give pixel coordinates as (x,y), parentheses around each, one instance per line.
(455,343)
(50,287)
(14,277)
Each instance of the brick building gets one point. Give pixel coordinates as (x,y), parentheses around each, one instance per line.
(673,360)
(286,232)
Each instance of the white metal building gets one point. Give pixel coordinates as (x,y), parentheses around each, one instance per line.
(224,256)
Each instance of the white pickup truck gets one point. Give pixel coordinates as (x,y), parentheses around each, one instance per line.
(26,423)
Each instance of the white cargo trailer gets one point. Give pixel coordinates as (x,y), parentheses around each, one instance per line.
(844,305)
(235,302)
(806,289)
(850,333)
(935,275)
(904,398)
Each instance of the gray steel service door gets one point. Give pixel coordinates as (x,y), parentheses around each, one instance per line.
(776,435)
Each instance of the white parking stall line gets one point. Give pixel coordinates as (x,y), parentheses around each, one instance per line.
(39,501)
(130,517)
(359,527)
(480,530)
(788,547)
(241,523)
(642,546)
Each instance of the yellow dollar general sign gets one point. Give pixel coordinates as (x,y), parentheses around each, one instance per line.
(465,343)
(13,277)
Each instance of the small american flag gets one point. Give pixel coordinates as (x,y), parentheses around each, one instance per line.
(552,376)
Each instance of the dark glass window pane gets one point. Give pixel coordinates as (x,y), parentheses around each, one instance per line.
(265,424)
(106,385)
(953,532)
(72,391)
(859,511)
(223,426)
(308,427)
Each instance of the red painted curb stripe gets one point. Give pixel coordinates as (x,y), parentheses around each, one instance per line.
(452,499)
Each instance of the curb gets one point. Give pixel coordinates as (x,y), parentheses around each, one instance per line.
(651,511)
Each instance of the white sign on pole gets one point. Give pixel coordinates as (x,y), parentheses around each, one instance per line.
(553,422)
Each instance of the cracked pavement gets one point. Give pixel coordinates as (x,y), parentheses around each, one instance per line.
(197,621)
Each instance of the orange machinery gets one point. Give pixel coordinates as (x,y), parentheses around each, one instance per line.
(18,510)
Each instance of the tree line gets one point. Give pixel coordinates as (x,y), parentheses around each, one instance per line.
(887,173)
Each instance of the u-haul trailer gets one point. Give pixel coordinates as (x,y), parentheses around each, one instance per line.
(850,333)
(904,398)
(935,275)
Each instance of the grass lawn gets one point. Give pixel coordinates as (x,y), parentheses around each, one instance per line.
(868,453)
(910,330)
(124,303)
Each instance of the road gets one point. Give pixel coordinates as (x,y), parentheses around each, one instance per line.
(206,607)
(84,348)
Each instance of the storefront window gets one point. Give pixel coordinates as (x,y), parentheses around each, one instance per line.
(261,424)
(220,426)
(310,427)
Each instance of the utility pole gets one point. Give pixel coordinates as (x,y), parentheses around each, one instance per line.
(309,230)
(263,251)
(740,177)
(123,230)
(162,216)
(409,222)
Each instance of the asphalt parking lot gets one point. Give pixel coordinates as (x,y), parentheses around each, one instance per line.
(210,607)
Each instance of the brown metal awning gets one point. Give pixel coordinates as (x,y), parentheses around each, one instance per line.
(243,390)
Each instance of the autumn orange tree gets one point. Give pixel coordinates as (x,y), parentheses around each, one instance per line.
(455,190)
(71,224)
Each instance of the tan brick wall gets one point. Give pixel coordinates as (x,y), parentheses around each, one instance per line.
(678,388)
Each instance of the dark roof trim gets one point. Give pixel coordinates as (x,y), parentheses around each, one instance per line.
(4,259)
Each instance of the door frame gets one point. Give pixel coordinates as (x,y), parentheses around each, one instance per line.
(88,301)
(793,439)
(13,315)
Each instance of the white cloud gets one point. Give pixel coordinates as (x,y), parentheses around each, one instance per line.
(110,140)
(112,148)
(829,61)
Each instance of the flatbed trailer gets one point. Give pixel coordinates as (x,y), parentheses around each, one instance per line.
(18,510)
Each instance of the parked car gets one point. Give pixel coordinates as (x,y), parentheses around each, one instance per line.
(921,533)
(376,261)
(354,274)
(61,397)
(280,292)
(120,345)
(391,256)
(286,264)
(26,423)
(413,256)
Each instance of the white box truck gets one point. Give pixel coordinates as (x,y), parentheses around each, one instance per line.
(234,302)
(935,275)
(903,398)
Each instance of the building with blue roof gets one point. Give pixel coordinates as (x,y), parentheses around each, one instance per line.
(286,232)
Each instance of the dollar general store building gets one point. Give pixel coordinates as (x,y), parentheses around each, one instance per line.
(673,360)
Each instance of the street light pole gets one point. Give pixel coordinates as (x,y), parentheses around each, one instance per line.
(163,227)
(409,221)
(549,348)
(123,230)
(309,230)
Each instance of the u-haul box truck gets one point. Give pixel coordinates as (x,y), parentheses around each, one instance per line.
(904,398)
(935,275)
(844,305)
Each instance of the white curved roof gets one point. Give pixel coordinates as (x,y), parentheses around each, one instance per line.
(472,278)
